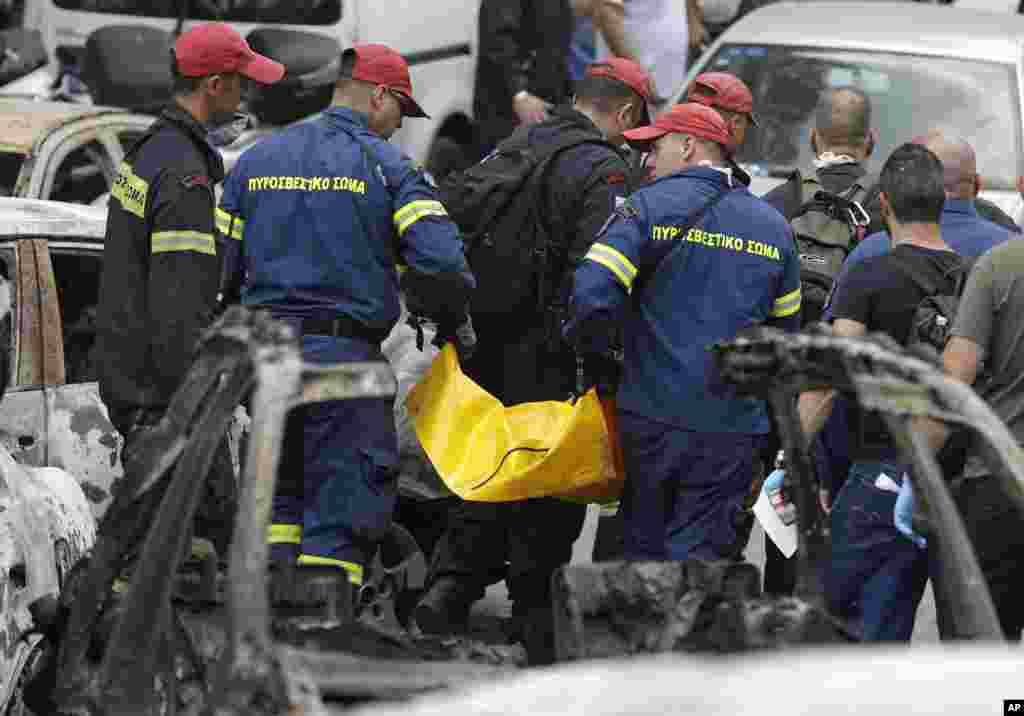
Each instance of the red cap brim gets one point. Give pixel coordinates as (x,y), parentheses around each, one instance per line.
(410,108)
(643,136)
(262,69)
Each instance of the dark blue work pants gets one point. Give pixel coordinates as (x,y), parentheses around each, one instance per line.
(684,490)
(876,576)
(337,481)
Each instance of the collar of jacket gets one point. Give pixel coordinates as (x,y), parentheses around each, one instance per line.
(960,206)
(177,116)
(567,114)
(348,115)
(715,175)
(853,170)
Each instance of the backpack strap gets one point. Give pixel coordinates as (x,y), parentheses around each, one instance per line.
(651,268)
(535,185)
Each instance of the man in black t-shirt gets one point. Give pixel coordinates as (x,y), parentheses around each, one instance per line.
(877,575)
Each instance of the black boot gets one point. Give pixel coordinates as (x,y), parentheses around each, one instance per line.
(444,609)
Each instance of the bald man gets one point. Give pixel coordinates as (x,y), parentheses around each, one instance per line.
(962,227)
(843,141)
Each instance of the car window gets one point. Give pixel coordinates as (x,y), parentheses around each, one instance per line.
(77,274)
(10,166)
(299,12)
(84,175)
(909,94)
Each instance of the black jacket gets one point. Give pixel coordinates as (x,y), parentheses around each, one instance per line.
(522,45)
(836,179)
(161,271)
(522,361)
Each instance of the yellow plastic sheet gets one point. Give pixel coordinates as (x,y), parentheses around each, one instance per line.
(486,452)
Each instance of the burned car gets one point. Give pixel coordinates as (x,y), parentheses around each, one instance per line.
(52,415)
(46,528)
(63,151)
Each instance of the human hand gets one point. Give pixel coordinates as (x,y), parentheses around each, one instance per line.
(463,336)
(530,108)
(903,513)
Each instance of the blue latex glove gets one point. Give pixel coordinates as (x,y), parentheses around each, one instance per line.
(773,481)
(784,508)
(903,513)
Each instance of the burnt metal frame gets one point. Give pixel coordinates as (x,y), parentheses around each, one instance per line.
(242,351)
(778,366)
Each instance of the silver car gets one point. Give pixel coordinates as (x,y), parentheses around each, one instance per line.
(922,66)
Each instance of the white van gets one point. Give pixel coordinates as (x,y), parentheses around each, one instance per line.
(437,38)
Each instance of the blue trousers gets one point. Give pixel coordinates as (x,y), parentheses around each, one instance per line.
(684,490)
(337,486)
(876,576)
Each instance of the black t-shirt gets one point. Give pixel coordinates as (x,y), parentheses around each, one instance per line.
(880,293)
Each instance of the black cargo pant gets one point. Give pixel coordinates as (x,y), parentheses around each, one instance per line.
(995,526)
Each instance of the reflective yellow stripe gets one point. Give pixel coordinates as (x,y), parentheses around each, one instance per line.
(167,241)
(614,261)
(787,305)
(355,571)
(416,210)
(229,225)
(614,268)
(613,253)
(283,533)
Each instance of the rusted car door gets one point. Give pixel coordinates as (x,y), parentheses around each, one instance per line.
(79,435)
(22,411)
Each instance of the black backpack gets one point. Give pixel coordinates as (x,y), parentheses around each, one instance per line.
(935,313)
(496,206)
(826,228)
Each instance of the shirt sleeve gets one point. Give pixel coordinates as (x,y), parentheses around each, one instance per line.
(231,238)
(184,272)
(977,308)
(605,278)
(854,296)
(438,274)
(785,311)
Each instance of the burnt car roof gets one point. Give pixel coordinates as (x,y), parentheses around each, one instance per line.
(23,121)
(52,219)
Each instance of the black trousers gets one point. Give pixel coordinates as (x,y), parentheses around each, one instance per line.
(521,542)
(995,526)
(215,518)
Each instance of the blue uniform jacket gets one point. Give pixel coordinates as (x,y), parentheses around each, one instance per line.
(738,267)
(319,214)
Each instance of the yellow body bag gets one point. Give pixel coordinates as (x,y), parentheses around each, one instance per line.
(486,452)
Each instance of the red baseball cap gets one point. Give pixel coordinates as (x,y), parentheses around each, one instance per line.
(216,48)
(726,91)
(381,65)
(693,119)
(629,73)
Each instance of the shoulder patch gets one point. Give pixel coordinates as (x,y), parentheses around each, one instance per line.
(194,180)
(626,210)
(616,178)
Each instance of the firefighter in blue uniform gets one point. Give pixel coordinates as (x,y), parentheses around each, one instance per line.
(681,273)
(317,218)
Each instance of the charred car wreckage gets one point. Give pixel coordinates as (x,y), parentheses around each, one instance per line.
(186,635)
